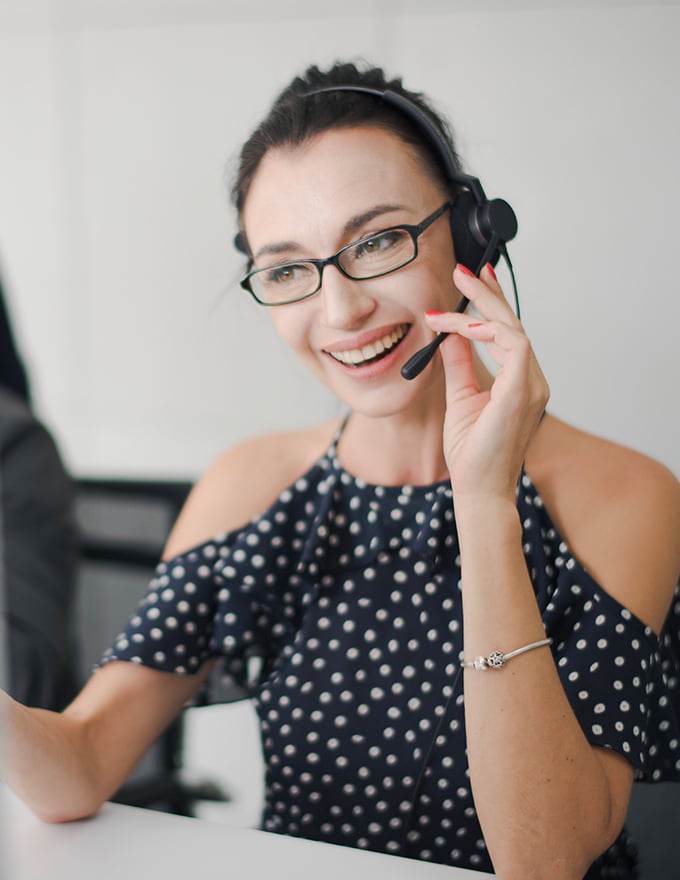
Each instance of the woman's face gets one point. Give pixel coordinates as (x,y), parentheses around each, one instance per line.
(310,201)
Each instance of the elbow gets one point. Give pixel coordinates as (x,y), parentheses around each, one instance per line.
(551,869)
(62,813)
(563,848)
(571,864)
(62,818)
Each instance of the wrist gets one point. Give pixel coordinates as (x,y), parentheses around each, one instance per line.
(485,509)
(489,528)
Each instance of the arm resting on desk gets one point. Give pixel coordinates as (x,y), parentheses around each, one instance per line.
(65,765)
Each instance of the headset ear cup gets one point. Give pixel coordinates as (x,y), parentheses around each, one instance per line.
(475,224)
(468,251)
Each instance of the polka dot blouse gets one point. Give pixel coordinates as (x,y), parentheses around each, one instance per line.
(348,595)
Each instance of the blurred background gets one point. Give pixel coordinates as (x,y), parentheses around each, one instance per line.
(121,120)
(120,123)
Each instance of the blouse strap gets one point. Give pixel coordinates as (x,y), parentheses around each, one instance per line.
(332,451)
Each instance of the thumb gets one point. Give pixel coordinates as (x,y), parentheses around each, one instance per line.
(459,370)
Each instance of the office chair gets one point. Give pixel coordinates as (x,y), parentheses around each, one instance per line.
(122,527)
(654,825)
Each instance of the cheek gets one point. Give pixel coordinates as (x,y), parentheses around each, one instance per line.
(290,322)
(433,268)
(431,286)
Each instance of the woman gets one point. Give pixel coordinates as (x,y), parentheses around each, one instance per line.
(444,518)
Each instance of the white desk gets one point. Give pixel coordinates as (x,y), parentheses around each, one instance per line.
(125,842)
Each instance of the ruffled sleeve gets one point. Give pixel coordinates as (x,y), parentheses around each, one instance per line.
(621,680)
(239,597)
(202,604)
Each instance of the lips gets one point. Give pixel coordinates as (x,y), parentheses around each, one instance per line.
(372,351)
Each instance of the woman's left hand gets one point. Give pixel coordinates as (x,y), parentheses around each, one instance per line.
(487,432)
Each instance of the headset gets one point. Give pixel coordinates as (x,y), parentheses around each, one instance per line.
(480,227)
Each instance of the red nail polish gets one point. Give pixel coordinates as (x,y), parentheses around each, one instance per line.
(489,269)
(433,312)
(465,270)
(480,324)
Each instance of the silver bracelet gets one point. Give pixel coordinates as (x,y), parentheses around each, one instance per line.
(497,659)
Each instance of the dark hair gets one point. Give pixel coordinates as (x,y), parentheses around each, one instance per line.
(297,116)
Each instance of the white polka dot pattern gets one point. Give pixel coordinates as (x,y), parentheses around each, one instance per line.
(350,595)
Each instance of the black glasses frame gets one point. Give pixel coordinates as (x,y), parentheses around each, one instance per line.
(415,231)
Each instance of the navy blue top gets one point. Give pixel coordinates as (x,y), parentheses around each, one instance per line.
(350,595)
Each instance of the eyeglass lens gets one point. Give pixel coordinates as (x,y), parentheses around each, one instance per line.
(367,258)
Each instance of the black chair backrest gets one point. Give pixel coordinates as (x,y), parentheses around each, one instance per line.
(654,825)
(123,525)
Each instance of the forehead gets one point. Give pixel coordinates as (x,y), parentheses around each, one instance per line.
(334,175)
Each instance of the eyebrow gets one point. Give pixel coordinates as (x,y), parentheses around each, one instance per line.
(354,224)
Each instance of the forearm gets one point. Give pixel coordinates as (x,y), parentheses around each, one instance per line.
(64,766)
(540,791)
(43,758)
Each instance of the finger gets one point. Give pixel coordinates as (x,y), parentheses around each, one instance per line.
(489,277)
(507,346)
(485,293)
(498,331)
(511,349)
(459,369)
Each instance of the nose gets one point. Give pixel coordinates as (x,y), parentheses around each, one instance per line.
(345,303)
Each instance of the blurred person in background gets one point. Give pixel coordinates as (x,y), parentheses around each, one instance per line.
(37,543)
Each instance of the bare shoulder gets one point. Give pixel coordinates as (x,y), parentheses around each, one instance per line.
(617,509)
(244,481)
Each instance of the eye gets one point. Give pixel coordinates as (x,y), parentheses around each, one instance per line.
(286,274)
(378,244)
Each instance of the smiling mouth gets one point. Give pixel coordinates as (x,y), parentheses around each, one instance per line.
(374,351)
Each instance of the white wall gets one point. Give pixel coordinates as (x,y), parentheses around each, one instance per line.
(118,117)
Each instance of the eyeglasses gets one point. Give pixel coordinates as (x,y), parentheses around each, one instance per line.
(370,257)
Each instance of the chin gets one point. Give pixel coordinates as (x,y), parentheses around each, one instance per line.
(388,399)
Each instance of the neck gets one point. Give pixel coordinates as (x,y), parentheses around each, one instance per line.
(394,450)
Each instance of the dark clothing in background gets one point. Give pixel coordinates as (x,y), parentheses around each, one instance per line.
(12,371)
(37,558)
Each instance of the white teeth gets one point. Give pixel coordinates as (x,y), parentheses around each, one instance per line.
(356,356)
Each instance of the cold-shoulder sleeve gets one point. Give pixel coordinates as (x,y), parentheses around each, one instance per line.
(208,602)
(237,597)
(621,680)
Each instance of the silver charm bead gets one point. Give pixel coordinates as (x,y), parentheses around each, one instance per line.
(496,659)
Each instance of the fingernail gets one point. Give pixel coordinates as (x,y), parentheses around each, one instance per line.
(489,269)
(479,324)
(465,270)
(433,312)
